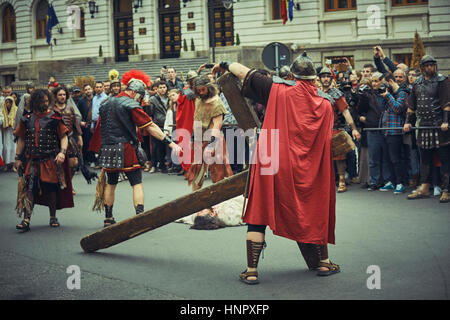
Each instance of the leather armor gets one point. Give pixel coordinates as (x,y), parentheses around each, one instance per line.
(42,140)
(428,107)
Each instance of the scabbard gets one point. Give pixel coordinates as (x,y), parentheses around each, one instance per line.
(400,128)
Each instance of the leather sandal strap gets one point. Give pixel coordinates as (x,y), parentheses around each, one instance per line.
(249,274)
(331,266)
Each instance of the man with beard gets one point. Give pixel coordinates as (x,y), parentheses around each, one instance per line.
(340,106)
(75,140)
(430,101)
(41,149)
(294,193)
(117,142)
(210,150)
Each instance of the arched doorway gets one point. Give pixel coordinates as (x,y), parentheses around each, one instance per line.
(123,29)
(170,28)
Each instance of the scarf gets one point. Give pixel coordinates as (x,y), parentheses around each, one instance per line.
(9,119)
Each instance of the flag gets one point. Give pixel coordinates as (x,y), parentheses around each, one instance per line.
(284,11)
(291,9)
(52,20)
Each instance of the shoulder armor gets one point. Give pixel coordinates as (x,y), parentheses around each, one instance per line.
(127,102)
(419,79)
(335,93)
(325,96)
(277,79)
(441,77)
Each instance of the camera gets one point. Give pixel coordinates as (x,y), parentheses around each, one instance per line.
(345,85)
(336,61)
(209,65)
(383,87)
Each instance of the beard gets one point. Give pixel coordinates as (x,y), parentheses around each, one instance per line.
(61,101)
(325,84)
(41,108)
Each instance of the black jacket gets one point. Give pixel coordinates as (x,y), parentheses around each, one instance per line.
(157,110)
(371,106)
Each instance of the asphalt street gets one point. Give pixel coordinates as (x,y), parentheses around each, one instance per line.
(387,246)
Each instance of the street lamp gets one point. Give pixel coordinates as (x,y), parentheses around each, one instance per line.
(93,8)
(137,4)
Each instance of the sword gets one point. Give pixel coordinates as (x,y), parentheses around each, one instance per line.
(401,128)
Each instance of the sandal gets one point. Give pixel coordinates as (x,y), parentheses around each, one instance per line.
(246,274)
(332,269)
(342,187)
(418,194)
(108,222)
(445,197)
(24,225)
(54,223)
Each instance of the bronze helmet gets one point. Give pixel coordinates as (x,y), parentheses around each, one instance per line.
(427,59)
(325,70)
(303,68)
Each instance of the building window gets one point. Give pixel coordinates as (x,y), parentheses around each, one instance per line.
(9,24)
(276,9)
(398,3)
(340,5)
(81,33)
(41,19)
(403,58)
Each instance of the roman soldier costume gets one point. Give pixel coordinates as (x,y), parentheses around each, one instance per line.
(43,181)
(117,141)
(430,101)
(295,194)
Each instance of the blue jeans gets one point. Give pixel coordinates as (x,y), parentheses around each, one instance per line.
(379,163)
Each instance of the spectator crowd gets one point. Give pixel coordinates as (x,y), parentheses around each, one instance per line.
(376,117)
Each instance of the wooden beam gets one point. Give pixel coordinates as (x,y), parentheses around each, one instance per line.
(206,197)
(245,115)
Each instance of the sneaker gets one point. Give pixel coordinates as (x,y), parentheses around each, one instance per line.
(388,186)
(399,189)
(437,191)
(372,187)
(152,170)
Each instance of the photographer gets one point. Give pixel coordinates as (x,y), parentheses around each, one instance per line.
(371,107)
(394,117)
(350,95)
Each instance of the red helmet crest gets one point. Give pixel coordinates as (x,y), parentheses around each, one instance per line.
(137,75)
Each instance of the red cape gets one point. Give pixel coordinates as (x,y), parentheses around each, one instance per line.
(185,120)
(298,200)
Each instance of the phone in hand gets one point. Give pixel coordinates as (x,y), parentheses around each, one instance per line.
(336,61)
